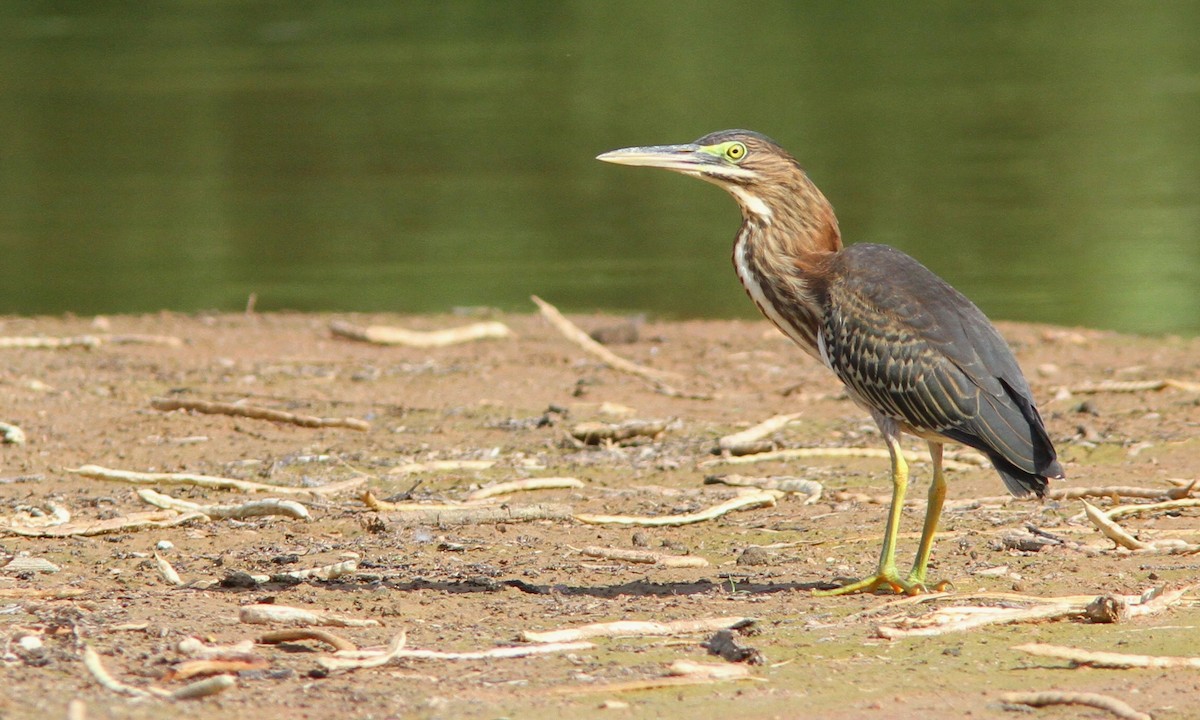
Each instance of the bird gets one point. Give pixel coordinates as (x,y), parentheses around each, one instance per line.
(911,350)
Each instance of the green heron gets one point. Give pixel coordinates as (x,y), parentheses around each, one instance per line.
(914,352)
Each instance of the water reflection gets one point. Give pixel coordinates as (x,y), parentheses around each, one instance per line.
(419,156)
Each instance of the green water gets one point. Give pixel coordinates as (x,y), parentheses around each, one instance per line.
(1043,157)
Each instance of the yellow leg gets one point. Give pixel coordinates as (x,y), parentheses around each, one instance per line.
(933,512)
(887,575)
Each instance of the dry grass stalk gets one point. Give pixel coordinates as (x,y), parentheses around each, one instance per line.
(254,508)
(1129,386)
(595,433)
(784,484)
(11,434)
(635,628)
(87,528)
(577,336)
(1112,530)
(257,413)
(97,472)
(745,501)
(386,335)
(736,443)
(167,571)
(514,486)
(1108,660)
(645,557)
(264,614)
(441,466)
(292,635)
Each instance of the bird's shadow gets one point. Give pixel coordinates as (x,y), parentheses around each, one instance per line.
(635,588)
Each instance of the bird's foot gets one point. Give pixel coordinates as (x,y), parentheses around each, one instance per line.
(886,579)
(919,581)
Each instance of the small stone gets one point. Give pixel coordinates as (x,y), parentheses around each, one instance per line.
(755,555)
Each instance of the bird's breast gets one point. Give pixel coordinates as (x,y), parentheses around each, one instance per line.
(780,296)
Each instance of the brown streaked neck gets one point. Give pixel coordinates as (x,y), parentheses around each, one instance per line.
(790,220)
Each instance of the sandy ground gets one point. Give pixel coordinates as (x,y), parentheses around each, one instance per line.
(465,587)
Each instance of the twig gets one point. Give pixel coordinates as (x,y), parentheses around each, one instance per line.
(635,628)
(209,481)
(1108,660)
(91,661)
(459,514)
(784,484)
(27,564)
(194,647)
(645,557)
(1119,491)
(746,501)
(1129,386)
(746,441)
(204,688)
(396,650)
(58,515)
(265,614)
(802,453)
(142,339)
(1112,530)
(1055,697)
(254,508)
(1124,510)
(216,666)
(11,434)
(292,635)
(708,671)
(441,466)
(680,673)
(513,486)
(1102,608)
(167,570)
(385,335)
(572,332)
(257,413)
(39,342)
(594,433)
(132,521)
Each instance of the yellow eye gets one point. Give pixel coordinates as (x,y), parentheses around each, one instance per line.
(736,151)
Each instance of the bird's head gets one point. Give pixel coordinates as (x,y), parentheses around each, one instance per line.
(769,185)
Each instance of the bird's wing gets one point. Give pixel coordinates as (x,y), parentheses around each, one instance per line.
(920,352)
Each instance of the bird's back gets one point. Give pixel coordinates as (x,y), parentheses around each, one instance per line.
(911,347)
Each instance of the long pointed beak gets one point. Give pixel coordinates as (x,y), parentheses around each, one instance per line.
(690,159)
(682,158)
